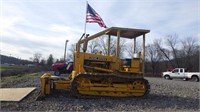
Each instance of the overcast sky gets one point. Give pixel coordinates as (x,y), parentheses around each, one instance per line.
(30,26)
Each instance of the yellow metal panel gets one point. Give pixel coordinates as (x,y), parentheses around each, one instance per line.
(62,84)
(136,65)
(79,60)
(45,83)
(143,54)
(73,74)
(47,88)
(96,57)
(103,69)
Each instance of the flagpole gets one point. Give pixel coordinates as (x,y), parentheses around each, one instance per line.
(86,17)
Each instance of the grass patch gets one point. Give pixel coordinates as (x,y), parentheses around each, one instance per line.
(5,68)
(18,77)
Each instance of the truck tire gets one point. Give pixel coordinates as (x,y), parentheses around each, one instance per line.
(167,77)
(57,73)
(195,79)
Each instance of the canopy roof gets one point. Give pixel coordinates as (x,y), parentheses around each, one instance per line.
(126,32)
(129,33)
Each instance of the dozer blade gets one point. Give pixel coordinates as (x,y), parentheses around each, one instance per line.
(52,83)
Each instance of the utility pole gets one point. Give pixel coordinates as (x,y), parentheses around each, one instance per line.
(65,49)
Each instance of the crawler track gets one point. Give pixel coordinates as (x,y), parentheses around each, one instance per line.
(88,85)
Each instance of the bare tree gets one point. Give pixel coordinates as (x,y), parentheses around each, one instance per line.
(176,52)
(122,47)
(153,54)
(92,46)
(37,57)
(130,48)
(43,61)
(189,48)
(50,60)
(70,55)
(183,54)
(171,41)
(166,53)
(102,44)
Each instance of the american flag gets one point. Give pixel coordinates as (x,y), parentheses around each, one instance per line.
(93,17)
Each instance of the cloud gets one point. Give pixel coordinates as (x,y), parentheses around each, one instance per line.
(28,36)
(71,33)
(44,44)
(44,26)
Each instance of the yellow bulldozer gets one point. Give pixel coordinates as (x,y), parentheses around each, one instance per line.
(103,75)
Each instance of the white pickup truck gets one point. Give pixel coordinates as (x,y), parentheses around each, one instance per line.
(182,74)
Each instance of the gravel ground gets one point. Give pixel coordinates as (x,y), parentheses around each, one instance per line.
(165,95)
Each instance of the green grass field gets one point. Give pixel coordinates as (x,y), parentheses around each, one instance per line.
(3,68)
(7,79)
(6,68)
(16,78)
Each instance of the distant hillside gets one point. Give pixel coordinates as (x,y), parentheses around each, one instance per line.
(12,60)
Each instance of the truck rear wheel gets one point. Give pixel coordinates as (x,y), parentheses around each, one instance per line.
(195,78)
